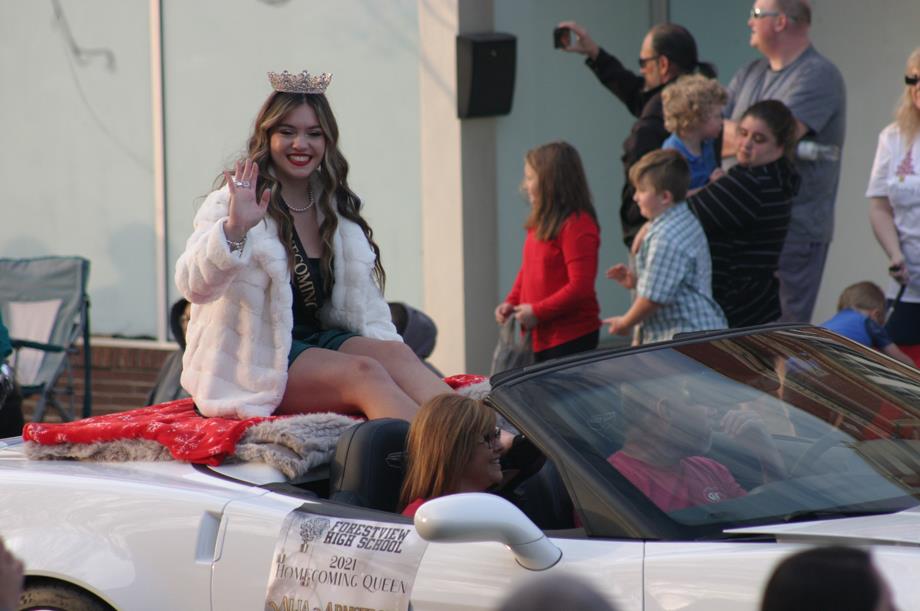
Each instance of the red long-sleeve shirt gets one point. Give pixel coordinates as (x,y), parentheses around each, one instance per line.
(557,279)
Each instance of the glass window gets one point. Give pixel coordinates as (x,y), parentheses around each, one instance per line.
(768,427)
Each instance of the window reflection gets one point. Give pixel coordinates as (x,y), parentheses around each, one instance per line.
(794,418)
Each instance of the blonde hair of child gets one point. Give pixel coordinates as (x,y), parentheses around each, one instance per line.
(690,100)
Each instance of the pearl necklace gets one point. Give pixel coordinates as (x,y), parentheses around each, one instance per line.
(305,208)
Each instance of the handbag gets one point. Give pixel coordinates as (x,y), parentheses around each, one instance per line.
(513,348)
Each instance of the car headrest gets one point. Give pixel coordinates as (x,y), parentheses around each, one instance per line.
(367,469)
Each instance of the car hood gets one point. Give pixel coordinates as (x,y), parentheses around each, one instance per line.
(901,528)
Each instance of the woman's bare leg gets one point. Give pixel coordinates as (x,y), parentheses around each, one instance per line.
(402,364)
(322,380)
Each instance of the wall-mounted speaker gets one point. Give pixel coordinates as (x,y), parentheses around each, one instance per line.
(485,74)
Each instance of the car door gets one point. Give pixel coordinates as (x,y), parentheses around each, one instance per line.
(244,550)
(450,576)
(455,576)
(710,576)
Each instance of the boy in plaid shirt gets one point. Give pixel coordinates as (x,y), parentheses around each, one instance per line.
(673,267)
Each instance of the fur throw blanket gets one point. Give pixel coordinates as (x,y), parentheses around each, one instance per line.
(176,431)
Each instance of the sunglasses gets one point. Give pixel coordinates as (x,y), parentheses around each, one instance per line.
(759,13)
(910,81)
(491,438)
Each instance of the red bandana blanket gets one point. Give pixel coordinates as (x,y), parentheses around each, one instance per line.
(175,425)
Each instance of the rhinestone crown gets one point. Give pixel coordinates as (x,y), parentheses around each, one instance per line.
(299,83)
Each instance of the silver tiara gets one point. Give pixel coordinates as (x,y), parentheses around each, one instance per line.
(299,83)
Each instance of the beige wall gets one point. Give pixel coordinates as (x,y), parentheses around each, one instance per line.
(457,192)
(869,42)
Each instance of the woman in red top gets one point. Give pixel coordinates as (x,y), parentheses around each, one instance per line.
(553,295)
(453,446)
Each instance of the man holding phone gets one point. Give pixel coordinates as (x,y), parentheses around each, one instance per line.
(667,52)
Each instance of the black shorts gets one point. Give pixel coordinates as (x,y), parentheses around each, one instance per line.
(330,339)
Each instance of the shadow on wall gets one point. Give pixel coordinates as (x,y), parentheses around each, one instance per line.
(123,296)
(23,248)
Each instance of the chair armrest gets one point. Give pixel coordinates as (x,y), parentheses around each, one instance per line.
(24,343)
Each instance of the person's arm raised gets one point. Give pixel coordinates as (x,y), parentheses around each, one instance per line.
(245,210)
(583,44)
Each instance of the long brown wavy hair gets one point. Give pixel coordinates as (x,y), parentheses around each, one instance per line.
(562,188)
(332,175)
(441,442)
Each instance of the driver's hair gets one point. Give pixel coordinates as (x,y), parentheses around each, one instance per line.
(441,442)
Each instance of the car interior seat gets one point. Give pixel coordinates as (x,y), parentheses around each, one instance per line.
(368,467)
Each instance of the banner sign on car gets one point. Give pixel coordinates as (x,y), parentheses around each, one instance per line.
(323,563)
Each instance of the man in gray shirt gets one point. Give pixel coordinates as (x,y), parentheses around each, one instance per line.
(792,71)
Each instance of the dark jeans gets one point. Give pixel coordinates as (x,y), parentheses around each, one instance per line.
(579,344)
(904,324)
(801,265)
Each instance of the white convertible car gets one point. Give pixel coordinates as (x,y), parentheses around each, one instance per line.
(817,441)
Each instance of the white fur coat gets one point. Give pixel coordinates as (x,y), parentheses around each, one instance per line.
(239,335)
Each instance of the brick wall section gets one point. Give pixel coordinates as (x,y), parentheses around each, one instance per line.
(121,379)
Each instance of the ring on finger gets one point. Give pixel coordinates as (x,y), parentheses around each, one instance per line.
(241,183)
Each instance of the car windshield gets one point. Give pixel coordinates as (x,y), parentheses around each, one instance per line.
(775,426)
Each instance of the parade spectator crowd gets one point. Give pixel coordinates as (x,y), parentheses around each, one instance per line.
(746,241)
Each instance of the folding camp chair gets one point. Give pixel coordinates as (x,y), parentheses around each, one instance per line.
(45,308)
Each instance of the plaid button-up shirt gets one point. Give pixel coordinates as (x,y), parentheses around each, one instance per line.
(674,270)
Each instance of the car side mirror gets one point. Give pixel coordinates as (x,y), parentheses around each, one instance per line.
(478,516)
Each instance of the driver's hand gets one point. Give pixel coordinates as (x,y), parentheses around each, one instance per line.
(747,428)
(743,423)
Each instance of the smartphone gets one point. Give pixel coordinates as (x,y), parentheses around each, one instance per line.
(563,38)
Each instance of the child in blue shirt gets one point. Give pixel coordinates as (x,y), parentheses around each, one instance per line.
(860,316)
(693,114)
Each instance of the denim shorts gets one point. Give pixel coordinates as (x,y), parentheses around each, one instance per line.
(330,339)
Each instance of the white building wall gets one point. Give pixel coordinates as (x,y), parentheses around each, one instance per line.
(75,164)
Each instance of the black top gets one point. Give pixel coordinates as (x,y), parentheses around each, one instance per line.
(307,288)
(647,133)
(745,215)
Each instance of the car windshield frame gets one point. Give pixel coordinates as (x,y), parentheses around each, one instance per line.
(827,384)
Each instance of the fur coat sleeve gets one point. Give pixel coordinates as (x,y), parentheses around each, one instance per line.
(239,333)
(357,304)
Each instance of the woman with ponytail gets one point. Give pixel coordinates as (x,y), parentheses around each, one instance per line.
(285,280)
